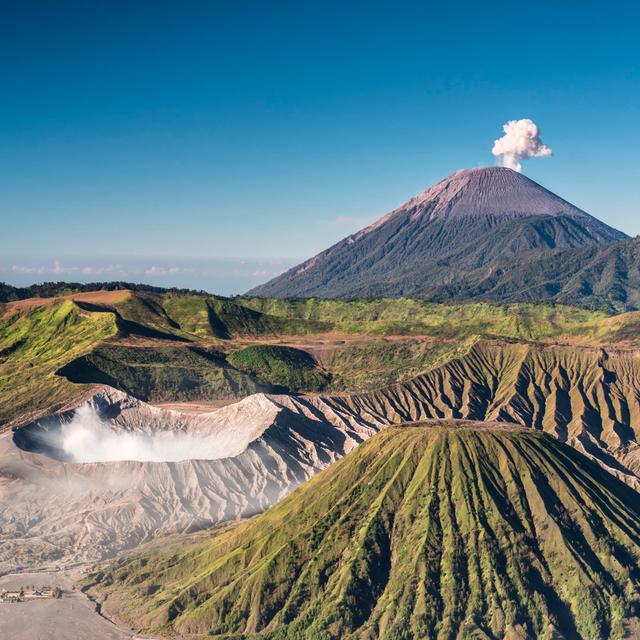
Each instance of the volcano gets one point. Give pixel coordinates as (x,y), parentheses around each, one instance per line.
(466,227)
(445,530)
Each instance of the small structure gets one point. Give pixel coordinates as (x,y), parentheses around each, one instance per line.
(10,596)
(30,593)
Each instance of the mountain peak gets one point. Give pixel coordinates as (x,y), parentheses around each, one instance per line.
(471,220)
(488,170)
(489,191)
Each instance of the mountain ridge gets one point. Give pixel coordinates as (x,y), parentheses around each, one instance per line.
(472,220)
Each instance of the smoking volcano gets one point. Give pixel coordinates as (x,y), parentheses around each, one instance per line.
(471,225)
(113,472)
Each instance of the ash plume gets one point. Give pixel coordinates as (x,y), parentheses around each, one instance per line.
(521,141)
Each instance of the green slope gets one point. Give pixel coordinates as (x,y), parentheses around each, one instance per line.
(286,367)
(145,343)
(366,366)
(442,532)
(409,316)
(163,372)
(34,344)
(599,277)
(215,317)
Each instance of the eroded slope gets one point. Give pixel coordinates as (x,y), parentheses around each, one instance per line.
(419,533)
(587,397)
(473,219)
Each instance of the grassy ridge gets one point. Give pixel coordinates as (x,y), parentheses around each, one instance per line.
(225,319)
(155,346)
(35,344)
(407,316)
(367,366)
(143,343)
(418,533)
(159,372)
(292,369)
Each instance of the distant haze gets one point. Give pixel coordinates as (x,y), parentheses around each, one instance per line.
(224,277)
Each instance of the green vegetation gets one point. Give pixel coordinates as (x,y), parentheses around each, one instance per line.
(226,319)
(285,367)
(193,315)
(173,346)
(144,315)
(34,345)
(9,293)
(154,346)
(366,366)
(406,316)
(434,333)
(159,372)
(451,531)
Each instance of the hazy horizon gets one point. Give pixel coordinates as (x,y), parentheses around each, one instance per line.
(223,277)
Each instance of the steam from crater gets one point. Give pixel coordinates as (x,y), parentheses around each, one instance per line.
(521,141)
(88,439)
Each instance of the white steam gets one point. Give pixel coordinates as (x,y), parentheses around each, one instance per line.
(521,141)
(88,439)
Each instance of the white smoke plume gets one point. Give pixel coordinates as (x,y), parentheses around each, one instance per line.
(521,141)
(88,439)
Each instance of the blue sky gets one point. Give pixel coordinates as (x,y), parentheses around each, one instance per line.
(212,144)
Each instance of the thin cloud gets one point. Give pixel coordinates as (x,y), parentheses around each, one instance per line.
(163,271)
(57,268)
(23,269)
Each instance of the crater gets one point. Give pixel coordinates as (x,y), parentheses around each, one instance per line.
(89,435)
